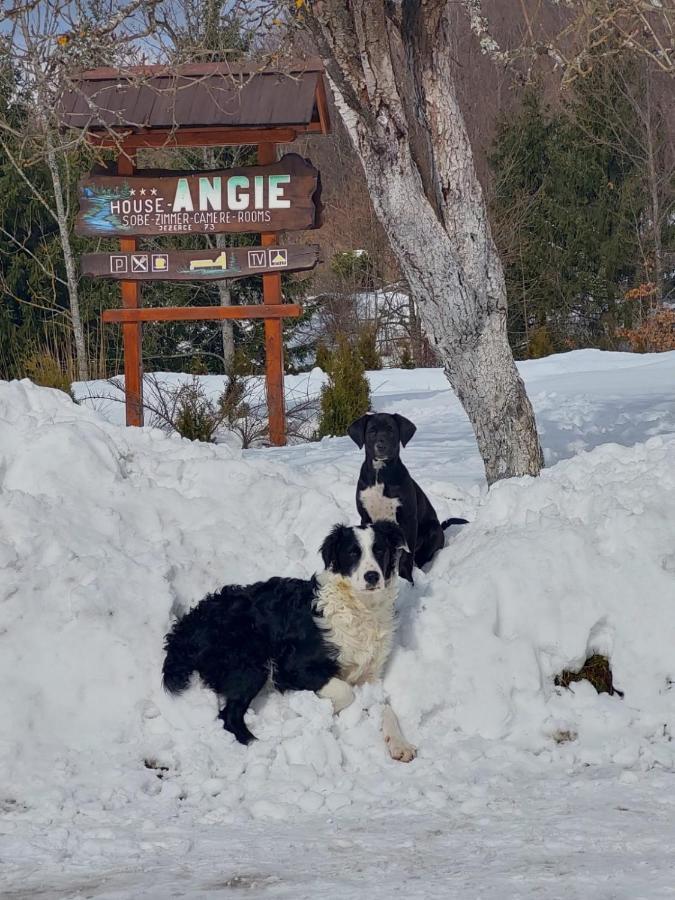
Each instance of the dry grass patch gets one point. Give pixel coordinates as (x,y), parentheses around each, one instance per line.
(597,670)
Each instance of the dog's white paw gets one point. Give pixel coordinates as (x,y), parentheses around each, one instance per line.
(401,751)
(339,693)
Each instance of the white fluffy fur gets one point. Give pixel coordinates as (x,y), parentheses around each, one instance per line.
(338,692)
(359,623)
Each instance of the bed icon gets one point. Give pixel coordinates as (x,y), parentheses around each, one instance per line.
(220,262)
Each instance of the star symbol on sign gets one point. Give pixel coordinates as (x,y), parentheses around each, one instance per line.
(132,192)
(142,192)
(153,191)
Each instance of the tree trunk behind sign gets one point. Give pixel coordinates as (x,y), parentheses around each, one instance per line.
(389,66)
(224,294)
(226,327)
(61,216)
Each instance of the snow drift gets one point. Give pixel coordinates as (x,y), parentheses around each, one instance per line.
(106,532)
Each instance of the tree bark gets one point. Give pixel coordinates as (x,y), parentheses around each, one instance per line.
(69,260)
(653,183)
(415,331)
(224,293)
(226,327)
(389,67)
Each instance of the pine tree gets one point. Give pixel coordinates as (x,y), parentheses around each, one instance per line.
(565,203)
(346,396)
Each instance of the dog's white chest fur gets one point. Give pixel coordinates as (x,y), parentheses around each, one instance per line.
(359,623)
(379,507)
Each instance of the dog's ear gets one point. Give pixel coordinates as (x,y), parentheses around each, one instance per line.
(357,431)
(330,545)
(406,429)
(393,535)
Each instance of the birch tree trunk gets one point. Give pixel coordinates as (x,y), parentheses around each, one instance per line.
(389,67)
(227,325)
(69,261)
(647,116)
(224,293)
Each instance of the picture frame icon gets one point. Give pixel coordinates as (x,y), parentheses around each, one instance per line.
(119,264)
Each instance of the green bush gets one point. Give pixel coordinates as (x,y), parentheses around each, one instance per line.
(406,360)
(367,349)
(198,366)
(346,396)
(354,267)
(195,416)
(323,357)
(43,368)
(231,403)
(540,343)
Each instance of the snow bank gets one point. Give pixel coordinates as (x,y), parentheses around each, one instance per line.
(104,532)
(581,399)
(552,570)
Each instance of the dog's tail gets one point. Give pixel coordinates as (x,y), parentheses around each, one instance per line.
(449,522)
(179,662)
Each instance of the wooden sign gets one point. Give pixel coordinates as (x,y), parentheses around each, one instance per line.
(283,196)
(199,265)
(201,313)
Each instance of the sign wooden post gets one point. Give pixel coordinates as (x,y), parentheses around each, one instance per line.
(274,341)
(281,194)
(242,106)
(131,332)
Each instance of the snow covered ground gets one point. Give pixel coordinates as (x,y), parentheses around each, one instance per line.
(111,789)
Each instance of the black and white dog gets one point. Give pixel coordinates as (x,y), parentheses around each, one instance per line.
(325,634)
(386,491)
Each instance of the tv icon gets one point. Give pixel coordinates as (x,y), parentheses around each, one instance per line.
(257,259)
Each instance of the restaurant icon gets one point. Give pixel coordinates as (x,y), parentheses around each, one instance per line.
(139,262)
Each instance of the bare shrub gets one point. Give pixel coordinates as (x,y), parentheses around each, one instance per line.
(240,409)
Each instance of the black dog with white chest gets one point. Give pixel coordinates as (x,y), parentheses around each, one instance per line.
(386,492)
(324,634)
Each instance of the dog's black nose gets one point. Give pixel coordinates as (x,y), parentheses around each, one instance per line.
(371,578)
